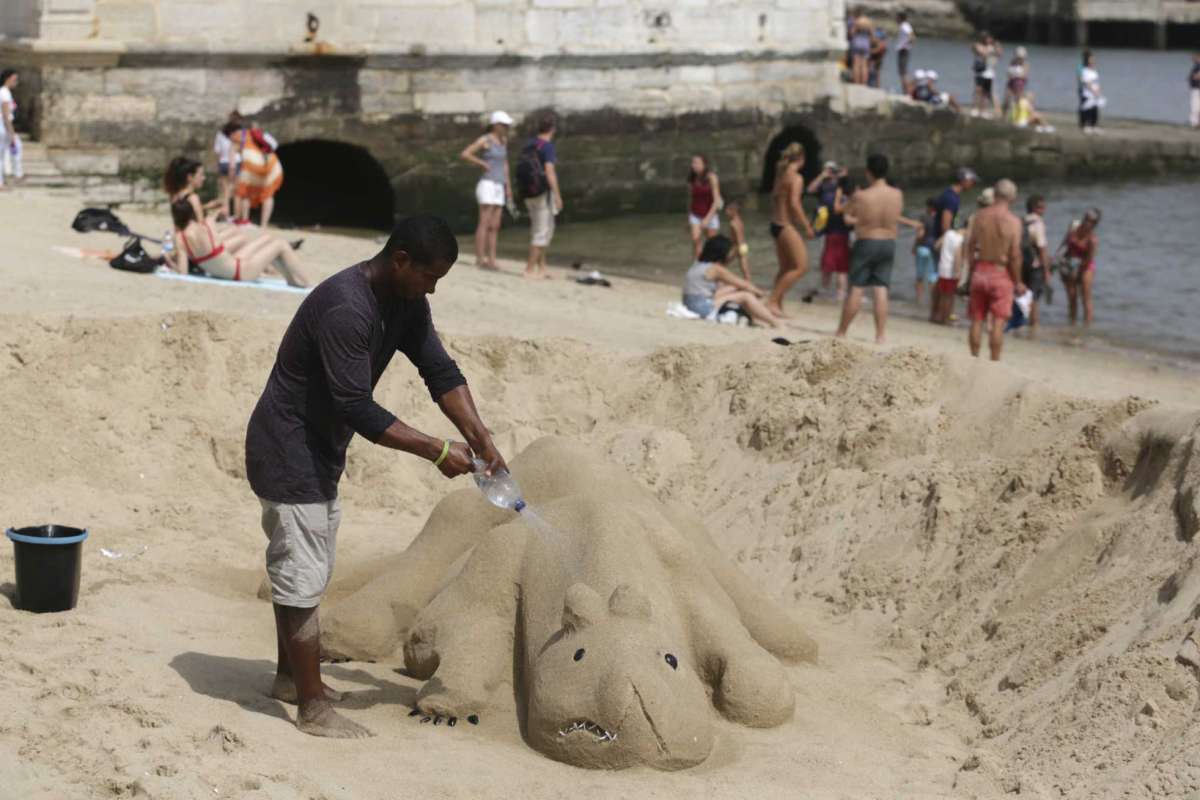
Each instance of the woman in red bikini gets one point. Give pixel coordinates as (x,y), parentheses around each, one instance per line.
(196,241)
(1079,267)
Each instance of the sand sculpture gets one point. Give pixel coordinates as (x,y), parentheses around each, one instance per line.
(616,634)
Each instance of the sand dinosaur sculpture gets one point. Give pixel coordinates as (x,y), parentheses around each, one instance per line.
(616,633)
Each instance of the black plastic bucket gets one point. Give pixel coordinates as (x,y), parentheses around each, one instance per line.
(48,559)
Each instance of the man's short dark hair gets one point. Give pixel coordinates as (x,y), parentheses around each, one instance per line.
(547,122)
(716,250)
(902,16)
(1033,202)
(427,239)
(877,164)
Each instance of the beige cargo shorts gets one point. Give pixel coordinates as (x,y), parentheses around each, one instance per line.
(301,539)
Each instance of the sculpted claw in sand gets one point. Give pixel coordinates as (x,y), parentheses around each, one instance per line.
(620,627)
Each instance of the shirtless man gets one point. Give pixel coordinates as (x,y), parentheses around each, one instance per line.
(786,211)
(994,248)
(875,212)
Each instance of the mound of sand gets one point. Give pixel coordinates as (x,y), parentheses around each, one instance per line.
(1000,566)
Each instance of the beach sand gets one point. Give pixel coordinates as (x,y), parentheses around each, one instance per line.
(996,560)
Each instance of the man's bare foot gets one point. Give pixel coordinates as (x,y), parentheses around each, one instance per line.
(322,720)
(284,689)
(489,267)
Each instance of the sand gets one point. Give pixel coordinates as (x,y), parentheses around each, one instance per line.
(997,561)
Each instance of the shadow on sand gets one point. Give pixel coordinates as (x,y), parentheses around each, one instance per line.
(246,681)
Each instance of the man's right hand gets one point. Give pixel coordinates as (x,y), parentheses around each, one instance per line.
(458,461)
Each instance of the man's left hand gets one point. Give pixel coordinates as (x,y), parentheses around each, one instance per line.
(489,454)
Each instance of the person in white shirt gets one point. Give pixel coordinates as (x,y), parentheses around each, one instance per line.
(904,43)
(10,143)
(228,158)
(1090,98)
(950,261)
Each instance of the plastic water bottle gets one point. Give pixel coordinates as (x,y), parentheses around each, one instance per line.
(168,243)
(500,489)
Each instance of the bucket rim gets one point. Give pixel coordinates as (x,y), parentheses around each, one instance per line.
(11,533)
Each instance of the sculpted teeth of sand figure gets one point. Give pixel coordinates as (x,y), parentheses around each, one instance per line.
(618,658)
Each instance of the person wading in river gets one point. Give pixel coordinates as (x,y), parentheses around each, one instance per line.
(319,394)
(875,212)
(786,212)
(993,248)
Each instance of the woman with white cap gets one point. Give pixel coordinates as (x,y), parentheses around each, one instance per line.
(490,153)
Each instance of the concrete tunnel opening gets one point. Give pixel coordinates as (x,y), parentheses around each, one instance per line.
(332,183)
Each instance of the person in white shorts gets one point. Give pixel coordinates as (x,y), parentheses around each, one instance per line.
(490,153)
(10,143)
(538,173)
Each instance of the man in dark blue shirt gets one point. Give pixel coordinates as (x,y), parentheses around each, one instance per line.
(946,206)
(319,394)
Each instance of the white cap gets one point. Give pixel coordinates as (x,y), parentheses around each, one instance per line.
(500,118)
(920,74)
(1022,52)
(932,75)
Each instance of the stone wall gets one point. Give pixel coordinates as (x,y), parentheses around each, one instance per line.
(530,27)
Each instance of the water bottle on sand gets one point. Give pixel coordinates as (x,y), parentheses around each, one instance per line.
(500,489)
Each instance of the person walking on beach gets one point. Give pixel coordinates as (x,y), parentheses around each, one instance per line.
(786,213)
(875,212)
(993,248)
(1079,265)
(905,38)
(537,180)
(1194,90)
(1035,262)
(492,193)
(704,203)
(11,148)
(1091,100)
(318,395)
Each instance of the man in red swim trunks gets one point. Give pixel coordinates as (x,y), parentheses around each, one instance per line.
(994,248)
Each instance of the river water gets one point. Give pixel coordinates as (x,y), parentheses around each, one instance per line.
(1147,290)
(1139,84)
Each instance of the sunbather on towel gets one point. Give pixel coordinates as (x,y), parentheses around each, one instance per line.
(195,240)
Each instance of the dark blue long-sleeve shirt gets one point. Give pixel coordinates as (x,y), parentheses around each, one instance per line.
(319,392)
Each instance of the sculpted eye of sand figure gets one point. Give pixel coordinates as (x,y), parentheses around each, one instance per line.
(617,633)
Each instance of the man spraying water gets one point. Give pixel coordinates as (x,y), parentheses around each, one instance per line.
(319,394)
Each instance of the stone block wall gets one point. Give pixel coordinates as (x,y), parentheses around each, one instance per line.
(529,27)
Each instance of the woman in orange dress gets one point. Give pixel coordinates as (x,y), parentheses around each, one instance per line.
(259,176)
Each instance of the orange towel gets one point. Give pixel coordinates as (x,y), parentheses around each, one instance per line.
(260,174)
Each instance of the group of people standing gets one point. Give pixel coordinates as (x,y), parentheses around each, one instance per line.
(1000,261)
(536,184)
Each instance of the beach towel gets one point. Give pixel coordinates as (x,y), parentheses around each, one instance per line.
(260,174)
(269,283)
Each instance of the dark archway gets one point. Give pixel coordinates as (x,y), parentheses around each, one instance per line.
(812,154)
(333,183)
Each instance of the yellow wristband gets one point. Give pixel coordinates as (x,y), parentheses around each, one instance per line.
(445,452)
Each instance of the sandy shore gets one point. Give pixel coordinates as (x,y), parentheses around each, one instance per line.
(997,561)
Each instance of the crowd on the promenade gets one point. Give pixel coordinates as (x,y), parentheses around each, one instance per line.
(1007,97)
